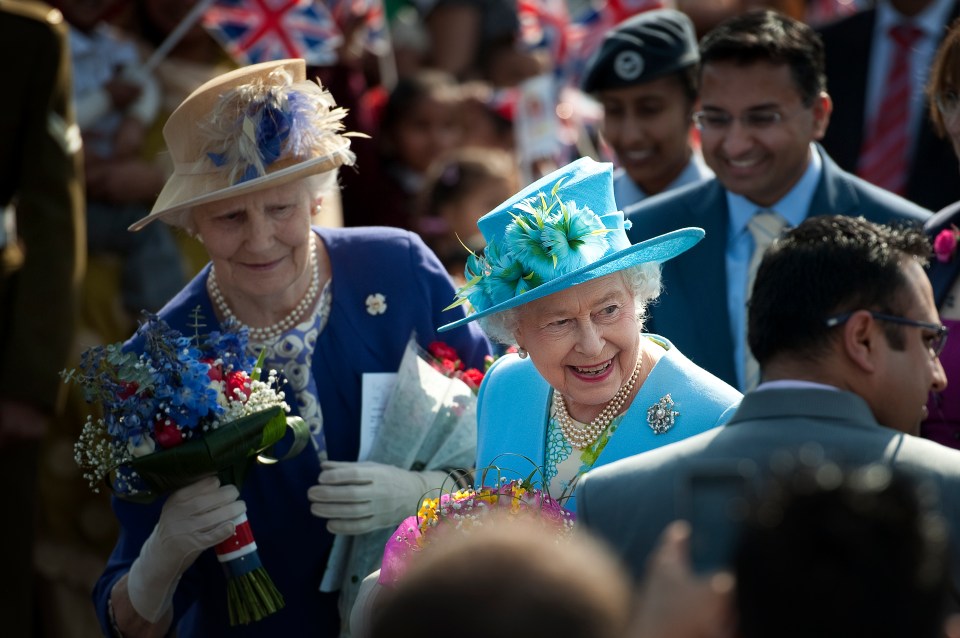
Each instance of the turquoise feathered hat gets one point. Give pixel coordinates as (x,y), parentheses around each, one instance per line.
(562,230)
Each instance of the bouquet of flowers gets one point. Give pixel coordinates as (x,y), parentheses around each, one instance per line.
(444,358)
(185,408)
(462,510)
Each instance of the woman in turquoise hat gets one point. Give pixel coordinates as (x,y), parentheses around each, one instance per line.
(560,281)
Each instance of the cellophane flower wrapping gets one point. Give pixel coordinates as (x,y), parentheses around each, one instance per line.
(429,423)
(460,512)
(184,408)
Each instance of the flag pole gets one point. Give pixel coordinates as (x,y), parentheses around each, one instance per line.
(176,35)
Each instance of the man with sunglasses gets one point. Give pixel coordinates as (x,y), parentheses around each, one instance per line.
(763,106)
(844,326)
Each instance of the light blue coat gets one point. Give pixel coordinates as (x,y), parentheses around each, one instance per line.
(513,410)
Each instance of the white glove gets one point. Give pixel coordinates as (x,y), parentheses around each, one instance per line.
(357,498)
(193,518)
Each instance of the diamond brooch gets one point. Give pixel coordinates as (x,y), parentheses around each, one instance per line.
(661,416)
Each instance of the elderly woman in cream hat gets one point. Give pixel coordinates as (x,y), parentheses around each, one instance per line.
(254,152)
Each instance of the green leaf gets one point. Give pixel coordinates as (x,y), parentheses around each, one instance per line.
(227,451)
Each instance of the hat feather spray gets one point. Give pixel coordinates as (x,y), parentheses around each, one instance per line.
(256,124)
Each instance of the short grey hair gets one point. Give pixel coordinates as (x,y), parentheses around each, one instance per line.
(643,279)
(317,185)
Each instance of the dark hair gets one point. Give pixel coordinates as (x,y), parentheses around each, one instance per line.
(456,175)
(834,553)
(828,265)
(689,79)
(944,73)
(770,37)
(410,91)
(509,580)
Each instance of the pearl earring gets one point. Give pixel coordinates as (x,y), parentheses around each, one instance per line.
(521,353)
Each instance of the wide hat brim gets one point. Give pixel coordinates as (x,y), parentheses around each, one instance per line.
(183,191)
(655,250)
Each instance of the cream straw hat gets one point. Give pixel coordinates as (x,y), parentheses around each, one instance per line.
(248,130)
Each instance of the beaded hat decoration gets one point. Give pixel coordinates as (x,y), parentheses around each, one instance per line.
(252,129)
(562,230)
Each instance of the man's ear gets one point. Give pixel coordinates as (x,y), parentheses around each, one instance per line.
(860,334)
(822,108)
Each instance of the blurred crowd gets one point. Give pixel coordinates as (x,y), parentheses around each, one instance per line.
(461,103)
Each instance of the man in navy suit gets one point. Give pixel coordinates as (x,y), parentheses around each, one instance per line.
(846,332)
(763,107)
(858,53)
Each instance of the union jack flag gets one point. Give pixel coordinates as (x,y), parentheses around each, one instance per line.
(253,31)
(370,13)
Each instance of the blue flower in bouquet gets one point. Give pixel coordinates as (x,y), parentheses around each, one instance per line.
(176,389)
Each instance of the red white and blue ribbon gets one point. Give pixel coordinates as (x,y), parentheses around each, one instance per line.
(238,554)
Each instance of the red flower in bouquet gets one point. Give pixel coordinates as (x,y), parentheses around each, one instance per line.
(446,359)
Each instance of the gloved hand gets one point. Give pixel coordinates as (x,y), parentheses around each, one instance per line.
(193,518)
(360,497)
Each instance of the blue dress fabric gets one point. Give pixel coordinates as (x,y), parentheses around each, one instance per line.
(513,412)
(293,544)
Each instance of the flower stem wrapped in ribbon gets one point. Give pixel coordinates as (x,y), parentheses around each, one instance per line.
(183,409)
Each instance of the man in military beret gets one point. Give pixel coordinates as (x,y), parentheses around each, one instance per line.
(42,252)
(645,76)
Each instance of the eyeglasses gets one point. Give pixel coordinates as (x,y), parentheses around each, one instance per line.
(948,102)
(935,342)
(759,120)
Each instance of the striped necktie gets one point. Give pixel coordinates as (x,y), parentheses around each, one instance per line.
(883,156)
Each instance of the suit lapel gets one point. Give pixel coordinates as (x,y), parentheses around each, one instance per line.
(701,280)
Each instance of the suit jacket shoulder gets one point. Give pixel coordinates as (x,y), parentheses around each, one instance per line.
(843,193)
(942,274)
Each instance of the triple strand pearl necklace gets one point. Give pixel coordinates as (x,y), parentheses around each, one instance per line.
(272,332)
(583,435)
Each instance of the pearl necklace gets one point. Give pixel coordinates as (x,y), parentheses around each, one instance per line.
(586,434)
(272,332)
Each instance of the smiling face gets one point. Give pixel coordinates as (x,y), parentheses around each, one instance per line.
(260,246)
(584,341)
(759,163)
(648,127)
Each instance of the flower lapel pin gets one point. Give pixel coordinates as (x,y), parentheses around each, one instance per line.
(661,416)
(945,244)
(376,304)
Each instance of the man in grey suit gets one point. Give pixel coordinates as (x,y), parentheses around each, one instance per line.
(845,329)
(763,107)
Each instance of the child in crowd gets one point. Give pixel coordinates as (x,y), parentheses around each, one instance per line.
(459,190)
(419,123)
(115,105)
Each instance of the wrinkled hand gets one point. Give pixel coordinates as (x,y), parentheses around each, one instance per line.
(675,602)
(357,498)
(193,519)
